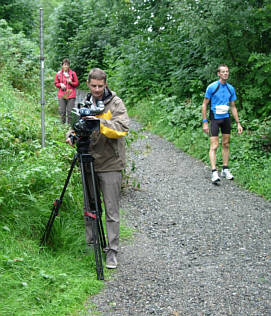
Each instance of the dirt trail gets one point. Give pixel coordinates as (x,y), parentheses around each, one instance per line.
(198,249)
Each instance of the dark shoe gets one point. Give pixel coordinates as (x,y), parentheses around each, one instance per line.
(111,259)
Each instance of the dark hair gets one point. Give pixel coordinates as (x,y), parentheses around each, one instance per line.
(222,65)
(66,61)
(97,73)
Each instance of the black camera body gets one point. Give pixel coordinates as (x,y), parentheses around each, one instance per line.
(81,125)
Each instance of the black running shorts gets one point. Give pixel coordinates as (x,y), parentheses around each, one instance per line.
(223,124)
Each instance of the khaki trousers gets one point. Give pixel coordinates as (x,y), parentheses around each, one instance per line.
(109,185)
(64,108)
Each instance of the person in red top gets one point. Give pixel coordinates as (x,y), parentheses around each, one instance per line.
(66,81)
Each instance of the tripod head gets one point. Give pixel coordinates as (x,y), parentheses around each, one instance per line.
(81,121)
(82,144)
(83,125)
(82,136)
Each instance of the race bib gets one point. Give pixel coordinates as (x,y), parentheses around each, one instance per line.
(222,109)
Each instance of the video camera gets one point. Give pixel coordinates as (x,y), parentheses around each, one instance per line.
(81,125)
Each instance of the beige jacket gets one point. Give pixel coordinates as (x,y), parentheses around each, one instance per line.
(108,146)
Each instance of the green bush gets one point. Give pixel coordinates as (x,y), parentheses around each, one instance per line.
(20,15)
(19,60)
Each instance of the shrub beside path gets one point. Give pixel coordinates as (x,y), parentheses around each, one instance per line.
(198,249)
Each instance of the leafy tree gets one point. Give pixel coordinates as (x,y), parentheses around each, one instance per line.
(19,63)
(197,36)
(102,24)
(169,46)
(21,15)
(64,23)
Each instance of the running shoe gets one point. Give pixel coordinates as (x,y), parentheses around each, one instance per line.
(215,177)
(225,173)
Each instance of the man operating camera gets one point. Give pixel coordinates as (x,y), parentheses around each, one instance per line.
(107,147)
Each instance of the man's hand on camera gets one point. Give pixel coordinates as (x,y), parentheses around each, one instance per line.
(69,141)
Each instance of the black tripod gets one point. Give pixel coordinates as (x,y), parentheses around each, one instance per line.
(94,214)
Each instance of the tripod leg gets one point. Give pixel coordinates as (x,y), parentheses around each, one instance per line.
(100,211)
(92,214)
(57,205)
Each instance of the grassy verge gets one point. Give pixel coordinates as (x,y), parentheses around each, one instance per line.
(250,161)
(58,279)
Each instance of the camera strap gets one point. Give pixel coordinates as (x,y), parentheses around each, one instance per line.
(58,76)
(88,97)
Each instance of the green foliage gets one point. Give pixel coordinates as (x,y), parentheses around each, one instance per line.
(82,34)
(19,63)
(21,15)
(169,47)
(260,93)
(40,283)
(259,135)
(64,23)
(168,111)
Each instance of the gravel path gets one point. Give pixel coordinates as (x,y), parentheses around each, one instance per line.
(199,249)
